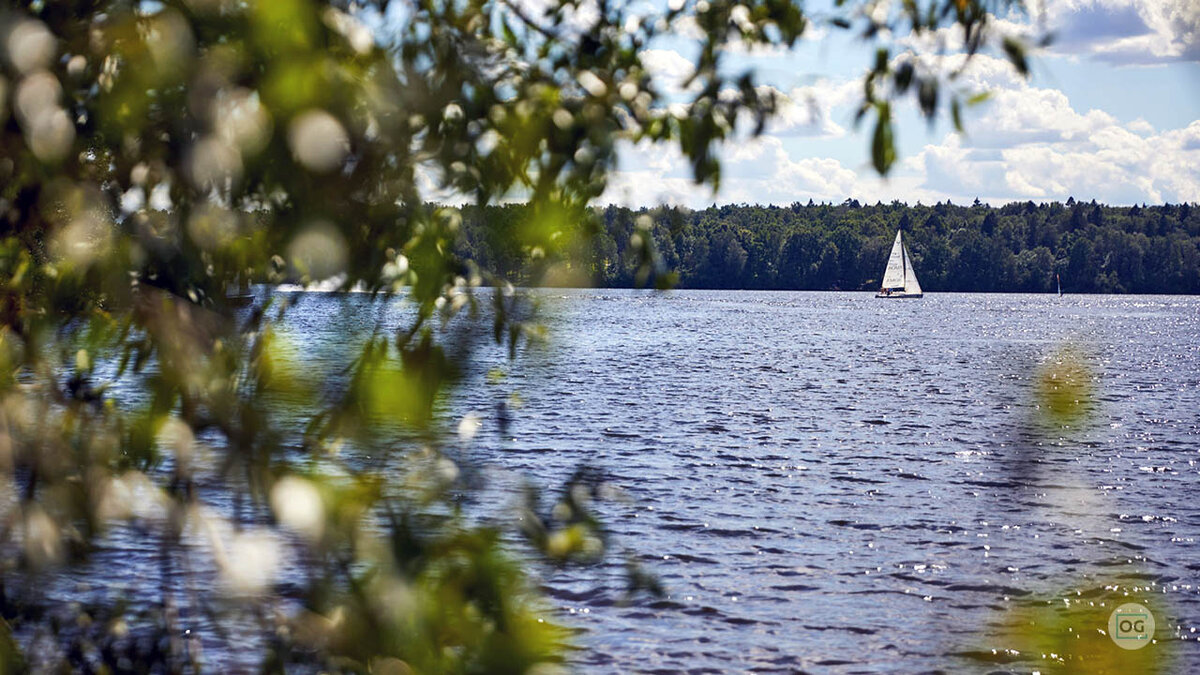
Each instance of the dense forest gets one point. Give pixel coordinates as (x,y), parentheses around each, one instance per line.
(1019,247)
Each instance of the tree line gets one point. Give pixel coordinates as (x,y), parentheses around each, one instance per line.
(1019,247)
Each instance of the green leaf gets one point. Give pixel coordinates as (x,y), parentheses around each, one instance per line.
(903,77)
(927,95)
(881,60)
(883,149)
(1016,55)
(979,98)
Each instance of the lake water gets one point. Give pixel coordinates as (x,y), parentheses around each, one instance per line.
(826,481)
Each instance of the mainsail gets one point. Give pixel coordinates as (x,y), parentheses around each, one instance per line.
(893,276)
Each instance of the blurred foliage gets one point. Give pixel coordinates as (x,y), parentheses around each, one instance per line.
(1068,630)
(158,158)
(1019,247)
(1063,391)
(1069,634)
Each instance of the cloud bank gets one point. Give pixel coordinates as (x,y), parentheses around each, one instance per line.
(1026,143)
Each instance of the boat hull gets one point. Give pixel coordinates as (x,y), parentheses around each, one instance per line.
(899,295)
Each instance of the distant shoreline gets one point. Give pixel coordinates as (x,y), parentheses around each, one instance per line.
(295,288)
(1022,247)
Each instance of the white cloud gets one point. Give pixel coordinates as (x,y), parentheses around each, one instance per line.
(760,170)
(573,22)
(669,70)
(981,72)
(1121,32)
(1126,31)
(687,27)
(1140,127)
(1033,115)
(803,111)
(757,170)
(1026,142)
(1030,143)
(810,110)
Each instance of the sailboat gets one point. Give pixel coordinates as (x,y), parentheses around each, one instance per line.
(1059,285)
(899,278)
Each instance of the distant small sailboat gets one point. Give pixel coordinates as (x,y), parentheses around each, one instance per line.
(1059,281)
(238,294)
(899,278)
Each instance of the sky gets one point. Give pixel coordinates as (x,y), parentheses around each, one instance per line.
(1111,112)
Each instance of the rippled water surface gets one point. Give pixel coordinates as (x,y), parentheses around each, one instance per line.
(826,481)
(829,480)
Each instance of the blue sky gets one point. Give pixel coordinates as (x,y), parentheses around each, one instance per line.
(1111,113)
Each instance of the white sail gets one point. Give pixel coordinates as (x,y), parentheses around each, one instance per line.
(893,276)
(911,285)
(899,277)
